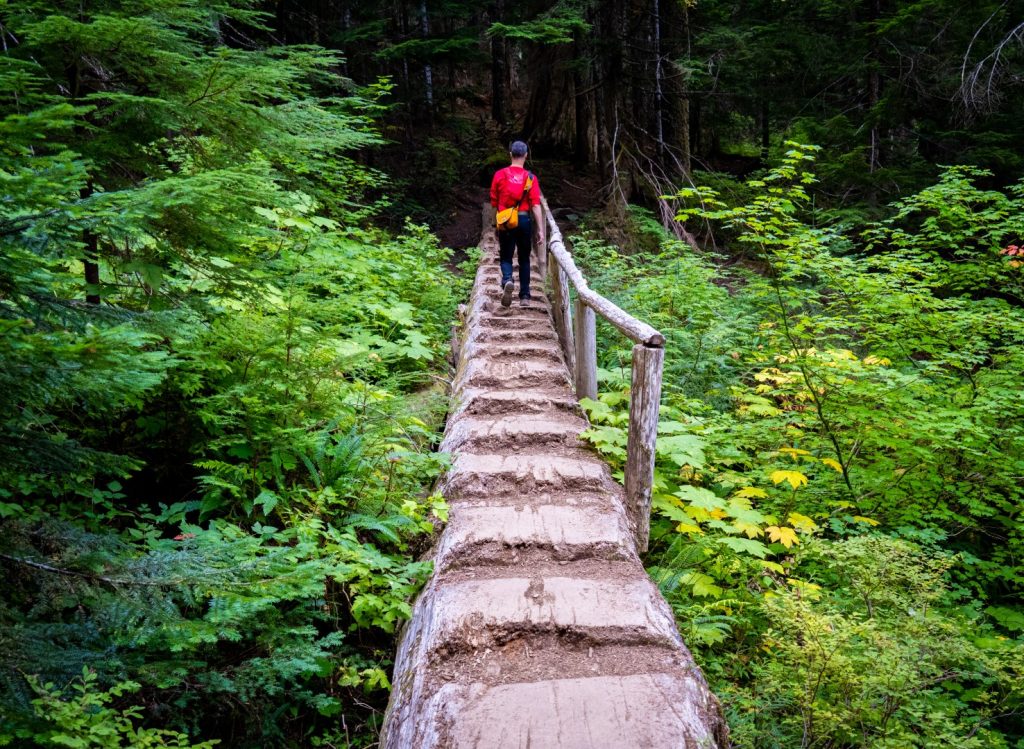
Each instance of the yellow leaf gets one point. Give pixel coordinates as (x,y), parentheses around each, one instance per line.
(783,535)
(802,522)
(842,505)
(795,478)
(751,529)
(671,499)
(699,514)
(773,566)
(879,360)
(718,514)
(833,464)
(687,528)
(862,519)
(793,452)
(750,492)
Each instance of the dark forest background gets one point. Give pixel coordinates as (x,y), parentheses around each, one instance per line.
(225,316)
(645,93)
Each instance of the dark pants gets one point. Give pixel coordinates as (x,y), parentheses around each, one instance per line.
(508,241)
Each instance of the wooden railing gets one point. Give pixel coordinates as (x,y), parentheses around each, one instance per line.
(579,344)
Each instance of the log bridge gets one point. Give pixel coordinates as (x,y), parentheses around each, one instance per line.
(540,628)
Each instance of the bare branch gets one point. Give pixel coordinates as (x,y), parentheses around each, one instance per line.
(979,85)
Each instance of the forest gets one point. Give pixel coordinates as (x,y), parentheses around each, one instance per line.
(235,235)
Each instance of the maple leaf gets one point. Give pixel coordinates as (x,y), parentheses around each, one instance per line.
(783,535)
(688,528)
(750,492)
(752,530)
(834,464)
(795,478)
(802,522)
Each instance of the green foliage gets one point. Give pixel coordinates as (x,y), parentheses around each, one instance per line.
(218,418)
(875,656)
(555,26)
(835,518)
(87,720)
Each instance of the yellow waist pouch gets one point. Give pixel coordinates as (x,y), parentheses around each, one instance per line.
(508,219)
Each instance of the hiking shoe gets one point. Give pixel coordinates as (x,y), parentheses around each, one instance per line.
(506,295)
(524,301)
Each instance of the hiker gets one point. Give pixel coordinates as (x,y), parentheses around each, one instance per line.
(515,197)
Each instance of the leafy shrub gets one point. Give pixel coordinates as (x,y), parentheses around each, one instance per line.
(86,720)
(218,405)
(835,521)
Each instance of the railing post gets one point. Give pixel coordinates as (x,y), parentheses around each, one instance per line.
(567,343)
(555,300)
(644,399)
(586,351)
(561,312)
(541,258)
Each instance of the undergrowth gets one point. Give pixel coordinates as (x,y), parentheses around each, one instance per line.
(837,498)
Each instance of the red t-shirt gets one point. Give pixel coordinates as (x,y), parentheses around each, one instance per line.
(507,186)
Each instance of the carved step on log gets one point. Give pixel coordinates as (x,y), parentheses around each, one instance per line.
(494,535)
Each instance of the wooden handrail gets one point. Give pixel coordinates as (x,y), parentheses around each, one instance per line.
(633,329)
(579,344)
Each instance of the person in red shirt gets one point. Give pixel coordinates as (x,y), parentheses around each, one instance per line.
(508,187)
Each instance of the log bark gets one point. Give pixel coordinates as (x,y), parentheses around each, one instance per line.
(644,399)
(586,351)
(540,258)
(561,312)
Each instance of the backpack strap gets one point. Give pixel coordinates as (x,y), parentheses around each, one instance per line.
(527,186)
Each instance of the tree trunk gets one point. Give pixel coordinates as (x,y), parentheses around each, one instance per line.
(499,80)
(659,94)
(612,19)
(550,113)
(90,239)
(428,73)
(766,130)
(684,125)
(874,82)
(583,101)
(90,259)
(695,107)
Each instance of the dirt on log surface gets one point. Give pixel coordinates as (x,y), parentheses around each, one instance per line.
(540,627)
